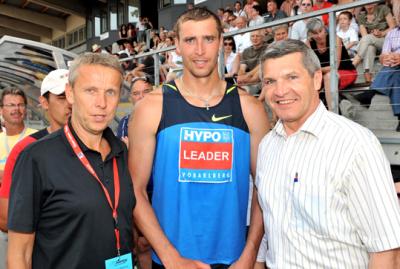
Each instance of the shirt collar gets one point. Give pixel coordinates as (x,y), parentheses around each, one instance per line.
(313,125)
(115,145)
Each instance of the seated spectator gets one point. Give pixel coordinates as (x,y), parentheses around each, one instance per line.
(226,19)
(231,58)
(319,42)
(247,8)
(238,11)
(255,16)
(387,81)
(322,4)
(287,7)
(354,13)
(280,32)
(242,41)
(299,29)
(154,39)
(220,14)
(232,23)
(131,32)
(374,25)
(250,58)
(173,66)
(348,35)
(123,32)
(139,87)
(273,14)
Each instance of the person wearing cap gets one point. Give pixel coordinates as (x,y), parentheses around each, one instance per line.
(140,86)
(71,198)
(96,48)
(53,101)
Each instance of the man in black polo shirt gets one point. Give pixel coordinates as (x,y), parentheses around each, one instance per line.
(71,197)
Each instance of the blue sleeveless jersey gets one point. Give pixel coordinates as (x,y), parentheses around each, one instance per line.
(201,177)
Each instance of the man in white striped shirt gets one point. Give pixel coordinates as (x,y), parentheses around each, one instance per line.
(324,183)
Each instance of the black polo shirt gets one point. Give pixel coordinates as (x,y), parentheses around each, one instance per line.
(55,197)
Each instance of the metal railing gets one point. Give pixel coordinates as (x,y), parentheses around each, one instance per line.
(332,43)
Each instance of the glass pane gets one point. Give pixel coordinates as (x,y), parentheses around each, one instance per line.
(113,16)
(133,11)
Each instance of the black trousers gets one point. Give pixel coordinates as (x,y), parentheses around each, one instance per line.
(213,266)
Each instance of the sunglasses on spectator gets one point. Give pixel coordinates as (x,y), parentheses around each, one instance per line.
(228,44)
(306,4)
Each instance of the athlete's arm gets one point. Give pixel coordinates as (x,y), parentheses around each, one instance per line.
(142,141)
(20,246)
(257,121)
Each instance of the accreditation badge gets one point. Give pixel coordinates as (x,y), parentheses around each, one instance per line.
(120,262)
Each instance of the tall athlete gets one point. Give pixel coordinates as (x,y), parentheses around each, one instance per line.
(198,138)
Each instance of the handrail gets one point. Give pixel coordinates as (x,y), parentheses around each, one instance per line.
(332,42)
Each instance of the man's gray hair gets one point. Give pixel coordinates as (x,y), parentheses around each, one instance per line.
(282,48)
(103,59)
(314,25)
(280,26)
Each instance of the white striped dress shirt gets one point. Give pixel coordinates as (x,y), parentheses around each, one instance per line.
(327,195)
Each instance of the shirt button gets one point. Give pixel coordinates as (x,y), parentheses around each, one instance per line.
(107,181)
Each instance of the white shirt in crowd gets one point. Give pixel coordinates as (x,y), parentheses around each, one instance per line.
(242,42)
(349,36)
(327,195)
(299,31)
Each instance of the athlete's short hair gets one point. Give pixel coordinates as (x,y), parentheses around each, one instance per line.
(197,14)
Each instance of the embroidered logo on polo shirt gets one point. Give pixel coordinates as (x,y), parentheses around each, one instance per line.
(205,155)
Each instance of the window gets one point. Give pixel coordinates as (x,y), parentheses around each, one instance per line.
(133,11)
(113,16)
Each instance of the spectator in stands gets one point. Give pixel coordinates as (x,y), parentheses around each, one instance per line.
(96,48)
(255,17)
(13,104)
(319,42)
(131,32)
(299,29)
(231,58)
(226,20)
(123,31)
(173,66)
(273,14)
(322,4)
(141,29)
(238,11)
(354,12)
(220,13)
(374,25)
(348,35)
(154,39)
(139,87)
(247,8)
(190,6)
(250,58)
(288,6)
(232,23)
(387,81)
(242,41)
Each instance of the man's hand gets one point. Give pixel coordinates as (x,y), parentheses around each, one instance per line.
(183,263)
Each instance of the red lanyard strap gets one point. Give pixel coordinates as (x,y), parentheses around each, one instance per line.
(85,162)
